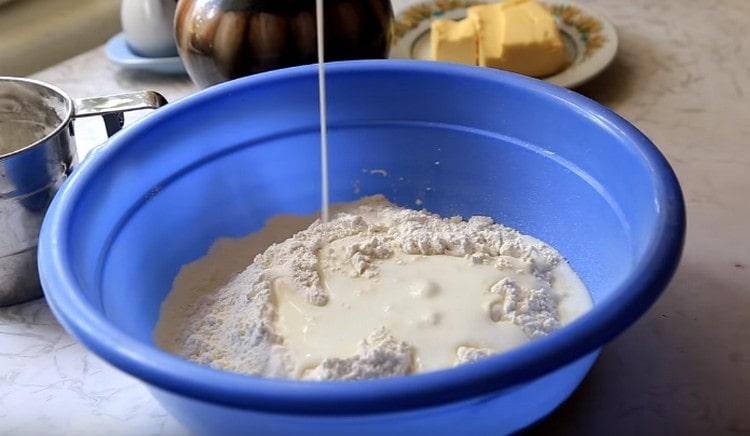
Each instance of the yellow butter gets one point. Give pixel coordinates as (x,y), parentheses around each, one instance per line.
(488,21)
(519,36)
(454,41)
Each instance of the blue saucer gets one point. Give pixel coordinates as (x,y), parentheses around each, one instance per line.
(121,54)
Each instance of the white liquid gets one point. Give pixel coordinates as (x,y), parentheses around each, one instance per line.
(323,126)
(435,303)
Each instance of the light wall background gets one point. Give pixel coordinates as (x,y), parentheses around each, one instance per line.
(36,34)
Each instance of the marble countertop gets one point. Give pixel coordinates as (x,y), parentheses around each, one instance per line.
(683,77)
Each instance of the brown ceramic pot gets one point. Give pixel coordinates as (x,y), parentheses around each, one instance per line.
(219,40)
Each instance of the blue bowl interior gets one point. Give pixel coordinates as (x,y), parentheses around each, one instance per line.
(462,140)
(220,170)
(454,170)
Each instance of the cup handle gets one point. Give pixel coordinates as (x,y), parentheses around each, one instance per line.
(111,107)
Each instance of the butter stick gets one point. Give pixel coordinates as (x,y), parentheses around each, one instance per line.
(519,36)
(454,41)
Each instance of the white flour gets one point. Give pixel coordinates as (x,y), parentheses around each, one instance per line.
(26,116)
(234,326)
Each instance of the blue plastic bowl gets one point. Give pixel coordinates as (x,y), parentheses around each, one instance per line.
(464,140)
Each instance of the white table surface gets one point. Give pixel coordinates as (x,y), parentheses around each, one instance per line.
(683,77)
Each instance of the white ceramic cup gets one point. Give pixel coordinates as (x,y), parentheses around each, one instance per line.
(148,26)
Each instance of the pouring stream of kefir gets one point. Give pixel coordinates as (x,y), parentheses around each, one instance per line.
(322,107)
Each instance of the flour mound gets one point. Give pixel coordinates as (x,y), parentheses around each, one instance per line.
(471,354)
(379,355)
(233,327)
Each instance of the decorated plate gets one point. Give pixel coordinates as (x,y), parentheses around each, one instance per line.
(590,39)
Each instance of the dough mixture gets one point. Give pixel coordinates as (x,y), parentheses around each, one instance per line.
(377,291)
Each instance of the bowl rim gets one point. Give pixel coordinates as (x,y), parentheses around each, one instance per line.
(167,372)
